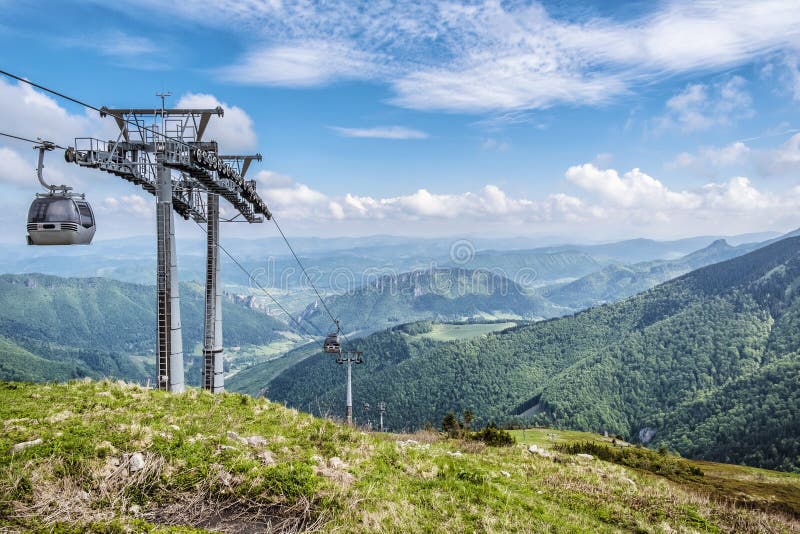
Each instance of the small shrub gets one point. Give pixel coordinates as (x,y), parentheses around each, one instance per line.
(471,476)
(292,480)
(494,437)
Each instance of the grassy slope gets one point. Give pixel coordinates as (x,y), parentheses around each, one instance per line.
(197,474)
(451,332)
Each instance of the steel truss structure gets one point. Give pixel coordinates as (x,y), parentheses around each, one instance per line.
(163,151)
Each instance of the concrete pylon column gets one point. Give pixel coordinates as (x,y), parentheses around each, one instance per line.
(213,377)
(349,414)
(169,344)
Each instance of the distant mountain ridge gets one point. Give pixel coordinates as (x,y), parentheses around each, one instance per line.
(616,282)
(443,294)
(133,259)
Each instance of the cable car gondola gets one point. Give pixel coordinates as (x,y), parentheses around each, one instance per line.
(59,217)
(332,345)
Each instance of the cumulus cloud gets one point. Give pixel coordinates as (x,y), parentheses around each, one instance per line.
(739,195)
(607,200)
(784,159)
(700,106)
(136,205)
(270,179)
(14,169)
(32,114)
(634,189)
(233,131)
(712,161)
(638,197)
(381,132)
(707,160)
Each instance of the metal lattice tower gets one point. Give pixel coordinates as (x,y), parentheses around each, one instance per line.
(171,161)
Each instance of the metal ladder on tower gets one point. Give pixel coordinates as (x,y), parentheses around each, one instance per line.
(163,304)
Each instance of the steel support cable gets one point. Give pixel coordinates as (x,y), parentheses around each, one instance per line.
(36,142)
(302,268)
(267,293)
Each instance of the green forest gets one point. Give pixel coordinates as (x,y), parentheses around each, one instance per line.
(706,365)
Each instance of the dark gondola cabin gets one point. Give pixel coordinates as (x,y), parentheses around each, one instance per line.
(60,220)
(331,344)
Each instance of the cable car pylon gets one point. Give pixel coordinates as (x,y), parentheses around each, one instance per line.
(146,156)
(187,175)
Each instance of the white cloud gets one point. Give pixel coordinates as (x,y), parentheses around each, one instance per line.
(715,207)
(233,131)
(784,159)
(739,195)
(634,189)
(700,106)
(708,159)
(31,114)
(789,152)
(136,205)
(489,56)
(270,179)
(302,64)
(728,155)
(14,169)
(113,43)
(121,44)
(740,157)
(608,202)
(791,75)
(513,82)
(494,144)
(381,132)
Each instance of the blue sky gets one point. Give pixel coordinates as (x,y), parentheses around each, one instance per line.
(599,122)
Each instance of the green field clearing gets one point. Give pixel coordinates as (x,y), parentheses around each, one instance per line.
(451,332)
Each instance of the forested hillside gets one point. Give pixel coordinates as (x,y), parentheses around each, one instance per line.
(55,328)
(695,364)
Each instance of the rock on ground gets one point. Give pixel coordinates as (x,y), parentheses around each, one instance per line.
(25,444)
(136,462)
